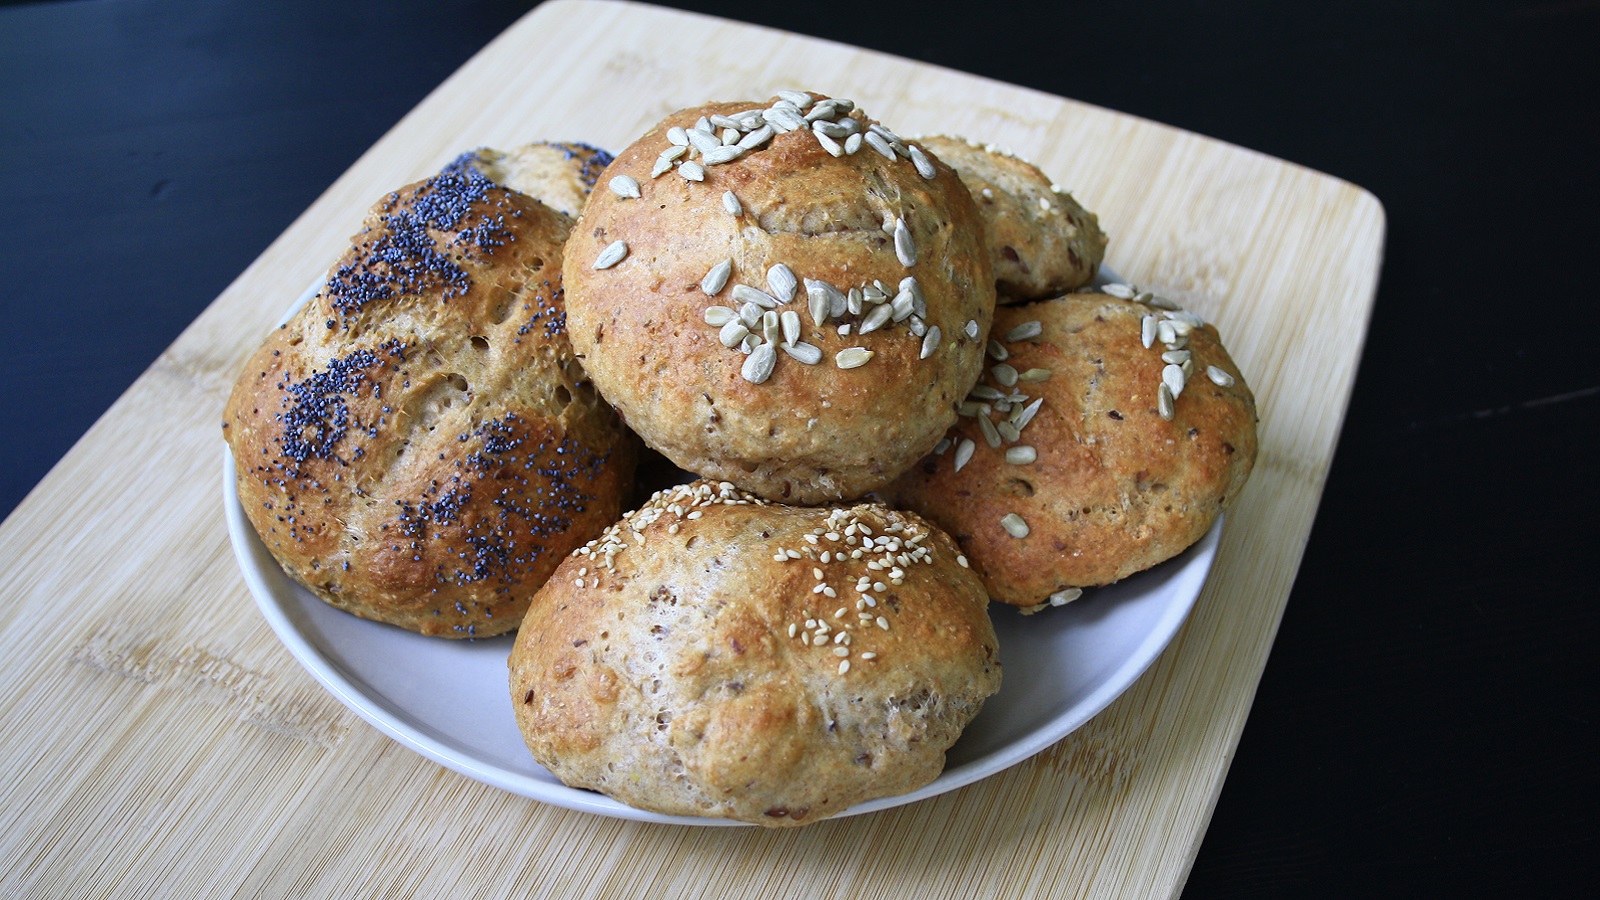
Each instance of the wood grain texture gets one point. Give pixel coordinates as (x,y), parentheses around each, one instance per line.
(163,742)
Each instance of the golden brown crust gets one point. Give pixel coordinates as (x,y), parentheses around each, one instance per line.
(672,663)
(806,433)
(1041,241)
(418,445)
(559,174)
(1116,487)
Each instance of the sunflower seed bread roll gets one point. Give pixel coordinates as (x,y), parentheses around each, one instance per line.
(784,295)
(1107,436)
(417,445)
(1042,242)
(716,655)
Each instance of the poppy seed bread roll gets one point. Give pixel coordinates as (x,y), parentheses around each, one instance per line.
(1107,438)
(417,445)
(786,296)
(559,174)
(716,655)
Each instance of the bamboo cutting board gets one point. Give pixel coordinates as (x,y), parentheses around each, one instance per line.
(162,742)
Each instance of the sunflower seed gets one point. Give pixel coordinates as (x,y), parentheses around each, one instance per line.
(744,293)
(611,255)
(1065,596)
(972,328)
(806,353)
(701,124)
(1147,331)
(817,299)
(1166,332)
(922,162)
(853,301)
(991,436)
(942,447)
(1176,357)
(790,320)
(1219,377)
(723,154)
(904,247)
(755,138)
(1029,329)
(1172,378)
(874,294)
(1121,291)
(877,142)
(1014,525)
(833,147)
(1164,402)
(781,281)
(800,99)
(730,202)
(964,452)
(998,351)
(704,141)
(919,304)
(758,367)
(722,121)
(1008,432)
(1033,375)
(903,306)
(716,277)
(824,109)
(852,144)
(844,330)
(1022,418)
(917,326)
(750,315)
(662,166)
(783,120)
(1021,455)
(972,408)
(930,342)
(626,187)
(718,316)
(692,171)
(985,392)
(770,328)
(730,136)
(750,343)
(678,136)
(852,357)
(876,319)
(732,333)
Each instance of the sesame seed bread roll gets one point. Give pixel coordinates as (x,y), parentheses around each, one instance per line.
(787,304)
(1041,242)
(559,174)
(716,655)
(1106,437)
(418,445)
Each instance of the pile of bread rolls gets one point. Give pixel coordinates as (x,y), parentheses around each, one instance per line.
(875,358)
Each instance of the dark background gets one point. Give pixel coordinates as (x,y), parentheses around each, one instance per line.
(1426,724)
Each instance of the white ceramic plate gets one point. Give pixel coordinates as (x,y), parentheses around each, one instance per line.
(450,700)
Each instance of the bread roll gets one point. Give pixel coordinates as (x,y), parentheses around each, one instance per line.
(797,311)
(716,655)
(559,174)
(417,445)
(1076,463)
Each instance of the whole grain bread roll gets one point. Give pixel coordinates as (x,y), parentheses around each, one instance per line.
(1042,242)
(716,655)
(417,445)
(559,174)
(1107,436)
(783,295)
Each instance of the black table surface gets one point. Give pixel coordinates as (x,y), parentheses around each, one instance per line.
(1426,723)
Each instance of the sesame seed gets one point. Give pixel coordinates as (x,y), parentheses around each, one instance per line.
(1065,596)
(869,655)
(844,666)
(882,623)
(972,328)
(1014,525)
